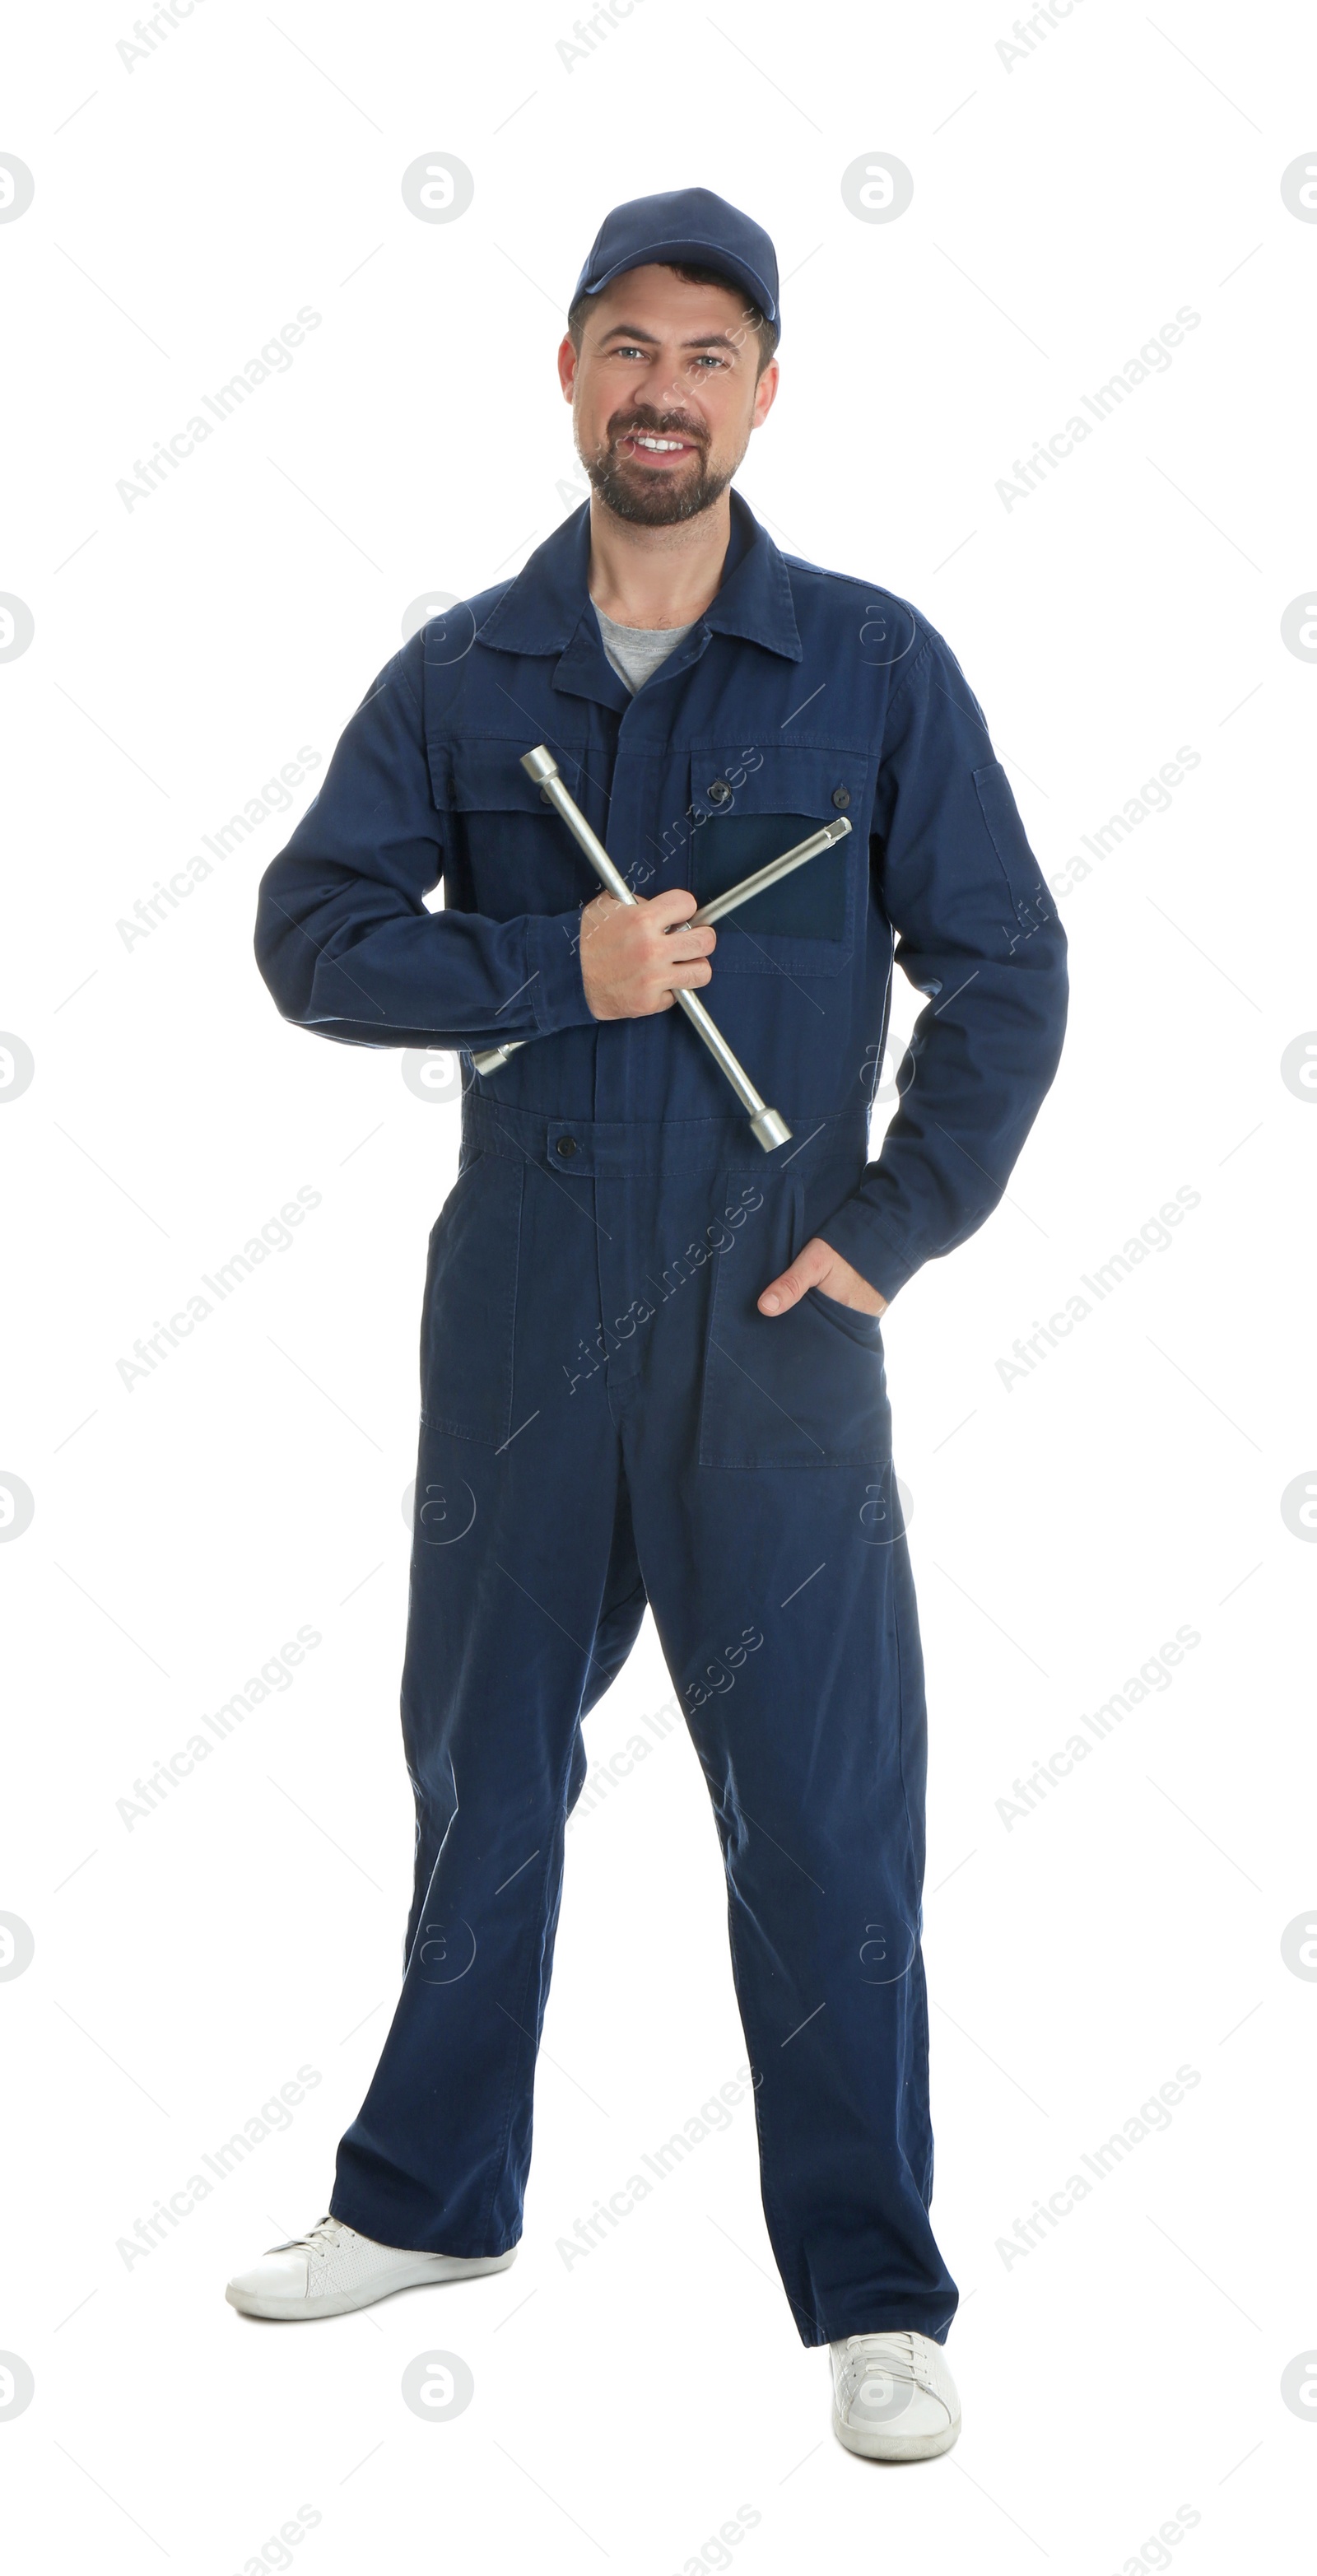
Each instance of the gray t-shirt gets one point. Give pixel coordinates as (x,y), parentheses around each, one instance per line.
(636,651)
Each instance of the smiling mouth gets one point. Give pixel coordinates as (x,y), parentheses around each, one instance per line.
(656,446)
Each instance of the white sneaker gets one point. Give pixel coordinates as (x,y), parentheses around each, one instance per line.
(333,2269)
(893,2397)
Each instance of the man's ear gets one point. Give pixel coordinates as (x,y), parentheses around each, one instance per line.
(765,392)
(567,367)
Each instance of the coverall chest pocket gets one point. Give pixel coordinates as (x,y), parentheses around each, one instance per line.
(751,803)
(803,1389)
(506,852)
(468,1324)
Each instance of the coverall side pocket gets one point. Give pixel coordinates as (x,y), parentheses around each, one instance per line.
(862,1328)
(468,1324)
(804,1389)
(1030,899)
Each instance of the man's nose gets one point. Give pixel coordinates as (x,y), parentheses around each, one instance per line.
(665,388)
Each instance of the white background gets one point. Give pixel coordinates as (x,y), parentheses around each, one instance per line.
(1065,206)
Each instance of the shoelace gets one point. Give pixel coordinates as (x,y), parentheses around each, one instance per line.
(320,2239)
(874,2355)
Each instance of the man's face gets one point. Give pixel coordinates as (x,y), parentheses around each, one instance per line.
(664,394)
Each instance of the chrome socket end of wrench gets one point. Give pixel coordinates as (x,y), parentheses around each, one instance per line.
(539,764)
(490,1058)
(769,1129)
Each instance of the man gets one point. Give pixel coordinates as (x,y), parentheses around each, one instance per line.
(651,1360)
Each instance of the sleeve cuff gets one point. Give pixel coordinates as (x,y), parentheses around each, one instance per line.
(886,1261)
(553,965)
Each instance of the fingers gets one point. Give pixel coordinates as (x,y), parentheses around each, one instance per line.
(660,922)
(676,904)
(810,1265)
(684,979)
(681,945)
(816,1265)
(783,1293)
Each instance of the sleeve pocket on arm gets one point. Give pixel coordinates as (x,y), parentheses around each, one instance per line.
(1030,899)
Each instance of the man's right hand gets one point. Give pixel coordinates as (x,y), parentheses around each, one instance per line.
(635,958)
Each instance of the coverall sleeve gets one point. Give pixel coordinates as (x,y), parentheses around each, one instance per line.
(343,938)
(977,931)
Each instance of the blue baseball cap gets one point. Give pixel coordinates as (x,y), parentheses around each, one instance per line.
(684,228)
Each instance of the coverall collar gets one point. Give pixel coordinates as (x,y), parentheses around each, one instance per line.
(547,608)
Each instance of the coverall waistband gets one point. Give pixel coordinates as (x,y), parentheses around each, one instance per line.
(619,1149)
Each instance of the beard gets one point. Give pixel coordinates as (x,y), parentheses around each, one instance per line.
(649,497)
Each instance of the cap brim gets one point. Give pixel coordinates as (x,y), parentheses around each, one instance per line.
(692,254)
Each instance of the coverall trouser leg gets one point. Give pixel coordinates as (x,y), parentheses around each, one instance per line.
(625,1427)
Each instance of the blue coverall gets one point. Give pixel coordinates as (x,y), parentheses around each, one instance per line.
(606,1418)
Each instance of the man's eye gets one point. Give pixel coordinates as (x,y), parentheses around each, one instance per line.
(708,360)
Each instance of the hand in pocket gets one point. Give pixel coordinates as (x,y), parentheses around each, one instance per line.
(816,1265)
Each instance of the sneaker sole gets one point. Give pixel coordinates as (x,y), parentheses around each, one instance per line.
(873,2445)
(341,2302)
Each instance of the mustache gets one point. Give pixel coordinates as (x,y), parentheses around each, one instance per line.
(660,424)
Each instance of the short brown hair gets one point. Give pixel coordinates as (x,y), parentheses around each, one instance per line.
(768,333)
